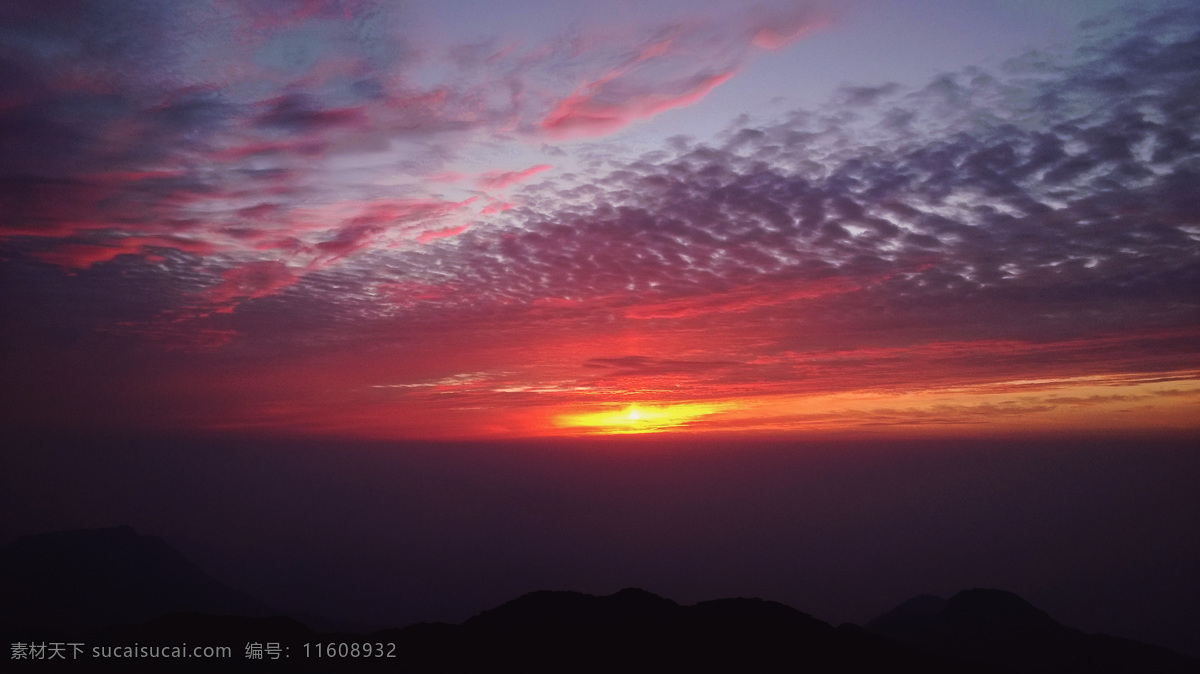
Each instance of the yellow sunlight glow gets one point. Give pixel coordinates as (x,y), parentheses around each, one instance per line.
(637,418)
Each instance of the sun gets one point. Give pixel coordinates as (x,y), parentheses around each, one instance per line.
(637,418)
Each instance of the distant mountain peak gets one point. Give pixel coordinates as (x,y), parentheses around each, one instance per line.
(986,608)
(553,608)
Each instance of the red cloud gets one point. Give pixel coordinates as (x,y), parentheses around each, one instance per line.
(409,293)
(249,281)
(84,255)
(498,180)
(583,113)
(180,334)
(741,299)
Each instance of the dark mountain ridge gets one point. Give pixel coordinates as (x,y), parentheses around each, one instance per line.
(113,587)
(999,628)
(635,630)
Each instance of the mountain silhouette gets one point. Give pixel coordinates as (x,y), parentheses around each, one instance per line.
(1001,629)
(113,587)
(636,631)
(79,580)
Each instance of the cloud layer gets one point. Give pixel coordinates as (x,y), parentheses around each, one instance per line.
(1039,222)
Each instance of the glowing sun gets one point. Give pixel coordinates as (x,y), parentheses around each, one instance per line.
(637,418)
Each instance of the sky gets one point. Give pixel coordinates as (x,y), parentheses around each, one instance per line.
(231,225)
(392,220)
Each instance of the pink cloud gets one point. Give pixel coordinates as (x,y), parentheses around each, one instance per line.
(674,71)
(295,113)
(307,147)
(445,177)
(349,239)
(498,180)
(376,224)
(427,236)
(178,243)
(259,212)
(586,112)
(249,281)
(263,19)
(496,206)
(779,31)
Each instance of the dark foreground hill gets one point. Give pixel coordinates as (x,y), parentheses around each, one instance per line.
(1003,630)
(79,580)
(111,600)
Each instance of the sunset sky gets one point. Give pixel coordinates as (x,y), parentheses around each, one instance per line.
(429,220)
(392,311)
